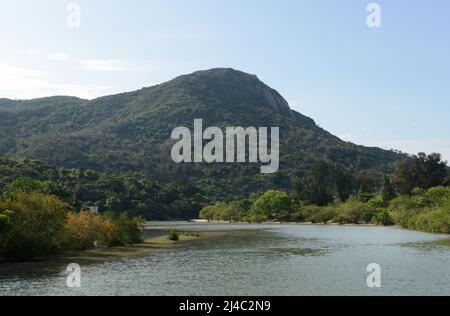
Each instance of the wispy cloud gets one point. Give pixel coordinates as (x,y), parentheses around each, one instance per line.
(105,65)
(31,52)
(25,83)
(59,56)
(9,70)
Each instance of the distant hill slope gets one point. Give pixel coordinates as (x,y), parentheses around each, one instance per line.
(130,132)
(84,188)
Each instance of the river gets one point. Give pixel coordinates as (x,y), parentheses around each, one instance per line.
(265,260)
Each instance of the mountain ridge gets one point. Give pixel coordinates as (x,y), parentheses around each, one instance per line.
(130,132)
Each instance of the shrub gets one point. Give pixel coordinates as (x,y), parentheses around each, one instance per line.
(272,205)
(434,221)
(436,196)
(230,212)
(173,234)
(35,225)
(85,229)
(355,213)
(362,197)
(323,215)
(207,212)
(129,230)
(5,220)
(377,202)
(306,213)
(404,203)
(384,218)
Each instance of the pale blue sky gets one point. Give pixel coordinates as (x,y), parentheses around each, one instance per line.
(388,87)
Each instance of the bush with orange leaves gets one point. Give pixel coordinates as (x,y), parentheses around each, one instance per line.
(86,230)
(35,225)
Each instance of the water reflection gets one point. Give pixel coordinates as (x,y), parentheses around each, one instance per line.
(266,260)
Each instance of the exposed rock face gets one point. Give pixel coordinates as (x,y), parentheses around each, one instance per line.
(274,99)
(279,104)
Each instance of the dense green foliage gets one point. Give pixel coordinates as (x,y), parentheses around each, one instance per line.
(272,205)
(230,212)
(129,134)
(279,206)
(36,224)
(421,171)
(128,229)
(82,188)
(426,210)
(370,200)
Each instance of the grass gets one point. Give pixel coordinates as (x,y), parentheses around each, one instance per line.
(443,242)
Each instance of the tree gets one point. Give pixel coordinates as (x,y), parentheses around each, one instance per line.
(366,182)
(207,213)
(296,187)
(272,205)
(5,226)
(128,230)
(28,185)
(5,220)
(388,191)
(245,206)
(404,179)
(343,182)
(436,171)
(36,225)
(84,229)
(435,197)
(315,187)
(421,171)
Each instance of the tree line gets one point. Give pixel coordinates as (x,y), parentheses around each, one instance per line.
(42,208)
(138,196)
(416,196)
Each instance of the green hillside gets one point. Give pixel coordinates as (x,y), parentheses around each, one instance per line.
(129,133)
(85,188)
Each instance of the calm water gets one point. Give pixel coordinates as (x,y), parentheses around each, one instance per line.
(266,260)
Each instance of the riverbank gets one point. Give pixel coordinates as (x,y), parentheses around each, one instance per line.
(287,223)
(275,223)
(58,263)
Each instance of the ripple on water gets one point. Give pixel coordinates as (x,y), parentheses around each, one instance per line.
(284,260)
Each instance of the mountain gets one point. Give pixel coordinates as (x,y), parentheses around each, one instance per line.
(129,133)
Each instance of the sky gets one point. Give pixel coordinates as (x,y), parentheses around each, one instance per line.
(387,86)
